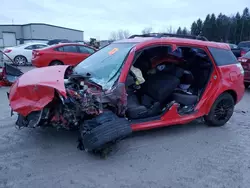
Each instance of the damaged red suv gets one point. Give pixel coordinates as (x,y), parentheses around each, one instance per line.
(140,83)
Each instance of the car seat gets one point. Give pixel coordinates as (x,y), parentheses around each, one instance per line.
(156,90)
(184,97)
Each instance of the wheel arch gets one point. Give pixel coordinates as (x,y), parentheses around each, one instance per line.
(54,60)
(233,93)
(213,99)
(21,56)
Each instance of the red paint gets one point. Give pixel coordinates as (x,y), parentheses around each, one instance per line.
(220,82)
(223,79)
(43,57)
(245,62)
(36,88)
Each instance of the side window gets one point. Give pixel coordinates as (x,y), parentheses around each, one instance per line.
(69,48)
(86,50)
(223,56)
(59,49)
(39,46)
(31,47)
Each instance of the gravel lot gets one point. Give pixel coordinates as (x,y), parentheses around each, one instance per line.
(193,155)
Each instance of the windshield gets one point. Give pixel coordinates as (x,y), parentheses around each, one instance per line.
(105,64)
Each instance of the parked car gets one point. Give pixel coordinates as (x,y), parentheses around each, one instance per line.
(244,46)
(8,73)
(236,50)
(132,85)
(61,54)
(245,62)
(57,41)
(22,54)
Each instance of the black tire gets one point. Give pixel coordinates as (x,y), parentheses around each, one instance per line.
(246,85)
(20,60)
(221,111)
(106,128)
(53,63)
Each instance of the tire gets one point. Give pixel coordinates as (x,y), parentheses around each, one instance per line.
(53,63)
(20,60)
(246,85)
(221,111)
(106,128)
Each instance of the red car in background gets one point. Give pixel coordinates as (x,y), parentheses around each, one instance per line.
(61,54)
(245,62)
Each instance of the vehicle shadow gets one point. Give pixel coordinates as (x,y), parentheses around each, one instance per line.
(51,138)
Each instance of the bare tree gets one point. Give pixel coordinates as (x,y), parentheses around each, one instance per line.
(147,30)
(168,29)
(120,34)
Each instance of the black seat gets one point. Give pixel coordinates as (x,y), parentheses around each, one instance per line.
(184,97)
(160,86)
(156,90)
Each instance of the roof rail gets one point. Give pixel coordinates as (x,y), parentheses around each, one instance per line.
(160,35)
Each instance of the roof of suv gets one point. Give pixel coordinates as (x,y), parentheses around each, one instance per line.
(179,41)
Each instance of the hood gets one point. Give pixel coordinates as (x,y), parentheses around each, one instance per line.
(36,88)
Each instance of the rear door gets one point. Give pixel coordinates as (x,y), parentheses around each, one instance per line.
(72,55)
(85,51)
(27,52)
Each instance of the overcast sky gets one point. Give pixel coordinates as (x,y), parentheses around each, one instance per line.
(99,18)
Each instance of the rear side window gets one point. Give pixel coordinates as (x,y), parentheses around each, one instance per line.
(31,47)
(69,48)
(86,50)
(223,56)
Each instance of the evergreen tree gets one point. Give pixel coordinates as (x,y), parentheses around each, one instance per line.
(179,31)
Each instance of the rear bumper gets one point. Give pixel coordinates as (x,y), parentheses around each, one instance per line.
(36,63)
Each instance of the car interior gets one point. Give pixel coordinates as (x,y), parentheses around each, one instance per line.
(172,75)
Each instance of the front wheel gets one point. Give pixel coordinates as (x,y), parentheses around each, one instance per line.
(221,111)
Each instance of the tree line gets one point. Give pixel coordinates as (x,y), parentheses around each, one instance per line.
(221,28)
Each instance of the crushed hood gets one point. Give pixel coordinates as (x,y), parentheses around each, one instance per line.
(36,88)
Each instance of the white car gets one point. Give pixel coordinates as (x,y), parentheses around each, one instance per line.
(22,54)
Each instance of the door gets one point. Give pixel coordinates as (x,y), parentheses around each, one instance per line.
(72,56)
(9,39)
(85,51)
(27,52)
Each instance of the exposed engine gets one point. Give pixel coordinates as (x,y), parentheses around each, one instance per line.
(83,102)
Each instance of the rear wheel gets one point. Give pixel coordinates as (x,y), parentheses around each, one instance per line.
(56,63)
(20,60)
(246,85)
(221,111)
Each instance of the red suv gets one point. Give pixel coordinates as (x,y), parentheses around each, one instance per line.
(136,84)
(61,54)
(245,62)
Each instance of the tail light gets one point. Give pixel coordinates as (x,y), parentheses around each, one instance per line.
(7,51)
(242,52)
(36,53)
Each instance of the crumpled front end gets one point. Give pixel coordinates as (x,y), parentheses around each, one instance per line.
(45,97)
(36,88)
